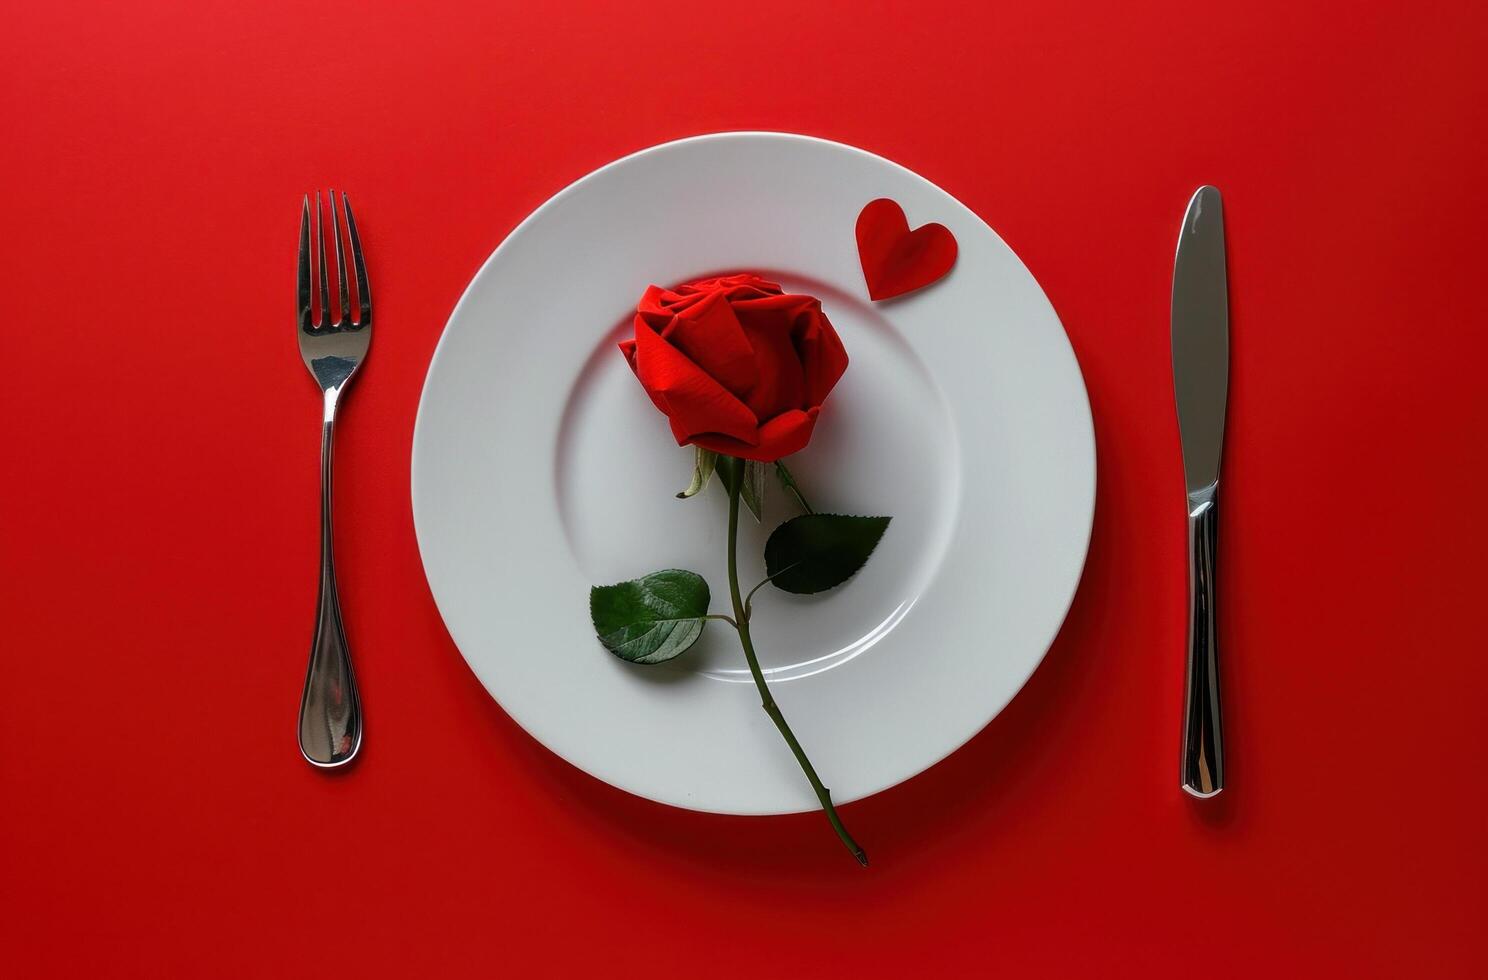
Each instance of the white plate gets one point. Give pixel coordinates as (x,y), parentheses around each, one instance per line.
(541,468)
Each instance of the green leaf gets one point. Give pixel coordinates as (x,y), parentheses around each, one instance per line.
(753,490)
(816,552)
(652,619)
(703,463)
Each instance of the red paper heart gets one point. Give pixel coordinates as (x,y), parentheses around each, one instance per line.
(895,259)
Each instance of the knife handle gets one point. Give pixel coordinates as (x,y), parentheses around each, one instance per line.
(1203,745)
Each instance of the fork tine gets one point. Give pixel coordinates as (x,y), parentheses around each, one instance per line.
(325,293)
(303,277)
(344,310)
(364,289)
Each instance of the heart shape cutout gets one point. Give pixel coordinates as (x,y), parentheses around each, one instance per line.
(896,260)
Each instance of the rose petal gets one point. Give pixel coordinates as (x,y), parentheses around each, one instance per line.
(778,381)
(628,348)
(709,334)
(823,358)
(741,284)
(654,307)
(692,401)
(785,434)
(819,350)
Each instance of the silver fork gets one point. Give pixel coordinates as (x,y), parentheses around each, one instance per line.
(333,350)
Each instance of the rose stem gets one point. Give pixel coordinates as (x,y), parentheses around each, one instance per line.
(790,484)
(735,476)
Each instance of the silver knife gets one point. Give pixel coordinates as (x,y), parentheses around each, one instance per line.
(1201,364)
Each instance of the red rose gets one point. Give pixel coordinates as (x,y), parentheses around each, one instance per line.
(735,364)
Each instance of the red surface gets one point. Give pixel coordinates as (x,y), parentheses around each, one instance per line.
(159,511)
(896,260)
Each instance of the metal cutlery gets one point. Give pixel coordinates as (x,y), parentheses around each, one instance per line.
(333,349)
(1201,361)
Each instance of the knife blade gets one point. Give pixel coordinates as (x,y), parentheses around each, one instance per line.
(1201,362)
(1201,337)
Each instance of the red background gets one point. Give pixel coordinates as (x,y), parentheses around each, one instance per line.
(159,519)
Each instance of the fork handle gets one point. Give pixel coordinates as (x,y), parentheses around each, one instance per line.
(1203,744)
(330,709)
